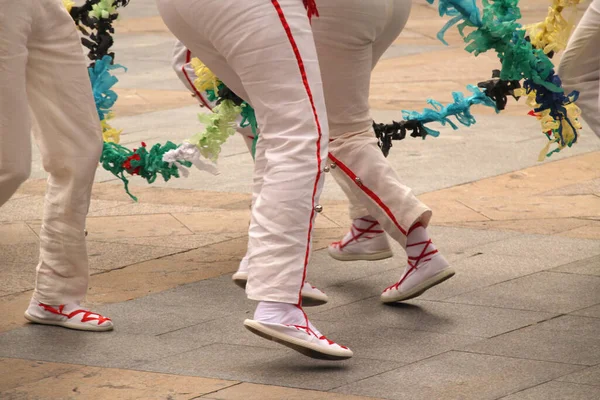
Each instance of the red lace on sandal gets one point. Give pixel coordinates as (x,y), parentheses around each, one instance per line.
(415,261)
(87,316)
(306,328)
(358,233)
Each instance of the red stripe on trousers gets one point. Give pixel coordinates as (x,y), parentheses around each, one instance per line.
(188,58)
(368,192)
(290,36)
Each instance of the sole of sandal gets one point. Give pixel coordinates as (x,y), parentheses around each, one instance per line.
(421,288)
(295,344)
(66,324)
(382,255)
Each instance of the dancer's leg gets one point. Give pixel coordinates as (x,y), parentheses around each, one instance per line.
(277,71)
(347,60)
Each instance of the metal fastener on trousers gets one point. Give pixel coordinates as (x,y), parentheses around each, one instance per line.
(318,208)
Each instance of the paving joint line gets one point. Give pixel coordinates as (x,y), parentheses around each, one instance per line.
(218,390)
(523,358)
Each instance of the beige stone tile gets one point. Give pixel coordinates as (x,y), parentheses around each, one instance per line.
(590,231)
(184,242)
(251,391)
(181,197)
(144,208)
(217,221)
(142,101)
(117,384)
(156,276)
(532,207)
(12,308)
(31,207)
(16,372)
(22,209)
(15,233)
(114,228)
(229,250)
(24,253)
(151,277)
(141,25)
(16,277)
(535,180)
(586,187)
(446,211)
(104,256)
(550,226)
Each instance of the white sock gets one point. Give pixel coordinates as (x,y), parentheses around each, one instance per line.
(282,313)
(419,246)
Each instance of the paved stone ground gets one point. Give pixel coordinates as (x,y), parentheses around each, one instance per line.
(521,320)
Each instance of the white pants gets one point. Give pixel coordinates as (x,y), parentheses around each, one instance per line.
(580,66)
(182,66)
(42,67)
(264,51)
(358,47)
(351,36)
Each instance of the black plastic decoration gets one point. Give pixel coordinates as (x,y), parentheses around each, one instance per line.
(385,133)
(499,90)
(97,32)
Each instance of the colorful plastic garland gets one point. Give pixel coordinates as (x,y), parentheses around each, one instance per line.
(522,57)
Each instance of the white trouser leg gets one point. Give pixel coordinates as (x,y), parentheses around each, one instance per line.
(580,66)
(68,135)
(277,71)
(181,63)
(351,36)
(15,148)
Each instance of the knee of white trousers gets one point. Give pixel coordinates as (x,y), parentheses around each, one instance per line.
(11,177)
(363,169)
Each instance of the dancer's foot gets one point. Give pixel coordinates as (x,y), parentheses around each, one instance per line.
(365,241)
(426,268)
(288,324)
(68,316)
(311,296)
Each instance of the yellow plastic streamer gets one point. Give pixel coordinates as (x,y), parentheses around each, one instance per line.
(552,127)
(68,4)
(553,33)
(206,80)
(110,134)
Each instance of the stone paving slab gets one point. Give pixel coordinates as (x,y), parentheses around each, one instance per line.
(69,381)
(433,316)
(589,266)
(588,376)
(22,372)
(544,291)
(567,339)
(269,366)
(96,349)
(250,391)
(593,311)
(459,375)
(557,390)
